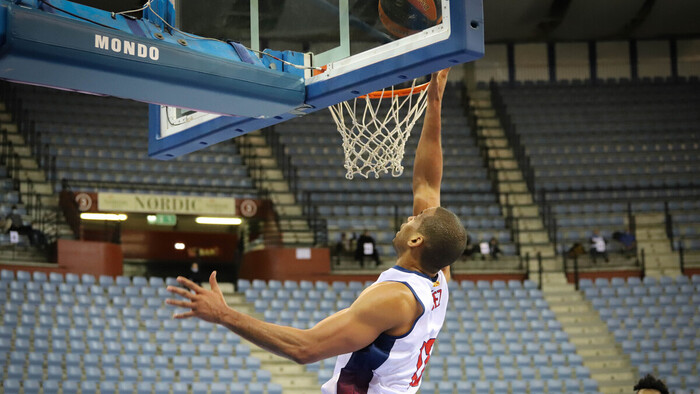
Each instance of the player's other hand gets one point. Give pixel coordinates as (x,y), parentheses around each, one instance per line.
(208,305)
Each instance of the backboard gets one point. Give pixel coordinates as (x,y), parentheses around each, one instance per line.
(343,46)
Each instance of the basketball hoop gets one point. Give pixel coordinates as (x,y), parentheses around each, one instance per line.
(374,138)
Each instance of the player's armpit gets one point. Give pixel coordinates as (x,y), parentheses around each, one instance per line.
(388,307)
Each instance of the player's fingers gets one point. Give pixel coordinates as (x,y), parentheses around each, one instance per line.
(181,304)
(181,292)
(186,315)
(213,283)
(189,284)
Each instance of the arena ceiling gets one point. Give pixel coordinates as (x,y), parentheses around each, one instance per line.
(506,20)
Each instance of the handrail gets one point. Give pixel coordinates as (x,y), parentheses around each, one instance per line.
(539,270)
(669,224)
(164,187)
(681,257)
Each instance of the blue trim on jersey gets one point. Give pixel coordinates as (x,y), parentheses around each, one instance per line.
(408,271)
(418,318)
(356,375)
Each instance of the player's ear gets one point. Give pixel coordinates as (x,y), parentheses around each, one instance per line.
(415,241)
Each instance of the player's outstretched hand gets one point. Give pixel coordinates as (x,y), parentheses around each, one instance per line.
(438,80)
(208,305)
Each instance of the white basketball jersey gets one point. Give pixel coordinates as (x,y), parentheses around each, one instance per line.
(395,364)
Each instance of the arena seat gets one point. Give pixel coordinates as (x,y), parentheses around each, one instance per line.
(653,349)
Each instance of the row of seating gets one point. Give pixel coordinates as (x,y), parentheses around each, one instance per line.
(104,140)
(56,386)
(655,321)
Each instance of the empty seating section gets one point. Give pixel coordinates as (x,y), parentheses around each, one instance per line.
(315,149)
(656,321)
(104,140)
(594,148)
(497,336)
(69,332)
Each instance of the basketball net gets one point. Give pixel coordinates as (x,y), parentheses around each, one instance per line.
(375,128)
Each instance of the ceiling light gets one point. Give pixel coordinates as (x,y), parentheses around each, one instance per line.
(220,221)
(117,217)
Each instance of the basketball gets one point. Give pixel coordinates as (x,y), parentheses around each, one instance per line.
(405,17)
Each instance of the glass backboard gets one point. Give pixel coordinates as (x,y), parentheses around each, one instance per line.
(347,48)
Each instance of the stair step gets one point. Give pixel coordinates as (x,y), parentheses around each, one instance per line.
(282,198)
(603,365)
(505,164)
(512,187)
(614,376)
(496,143)
(509,175)
(481,103)
(10,127)
(275,186)
(649,218)
(515,199)
(288,210)
(593,342)
(480,94)
(490,132)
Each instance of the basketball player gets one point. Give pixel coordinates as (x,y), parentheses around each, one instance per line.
(385,338)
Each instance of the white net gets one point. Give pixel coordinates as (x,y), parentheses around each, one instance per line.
(375,129)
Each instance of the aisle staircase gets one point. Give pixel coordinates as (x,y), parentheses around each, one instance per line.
(601,354)
(293,378)
(659,258)
(515,198)
(35,187)
(267,174)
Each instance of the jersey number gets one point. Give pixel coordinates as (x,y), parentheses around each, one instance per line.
(422,362)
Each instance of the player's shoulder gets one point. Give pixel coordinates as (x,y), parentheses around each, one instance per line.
(391,294)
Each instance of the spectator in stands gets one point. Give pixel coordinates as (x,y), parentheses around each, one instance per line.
(470,248)
(599,247)
(575,250)
(494,249)
(13,222)
(194,275)
(650,385)
(484,248)
(5,225)
(366,247)
(343,247)
(627,240)
(37,237)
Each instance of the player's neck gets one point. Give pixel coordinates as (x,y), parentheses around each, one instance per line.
(412,264)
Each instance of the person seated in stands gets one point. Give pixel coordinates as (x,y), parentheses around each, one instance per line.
(13,222)
(484,248)
(36,237)
(650,385)
(575,250)
(494,249)
(194,274)
(627,240)
(599,247)
(470,248)
(343,247)
(366,247)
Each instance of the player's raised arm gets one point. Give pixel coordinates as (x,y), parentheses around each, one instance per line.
(427,165)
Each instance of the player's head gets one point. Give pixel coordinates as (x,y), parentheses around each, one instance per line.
(650,385)
(436,237)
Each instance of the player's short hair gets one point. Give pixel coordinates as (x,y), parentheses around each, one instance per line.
(445,239)
(649,382)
